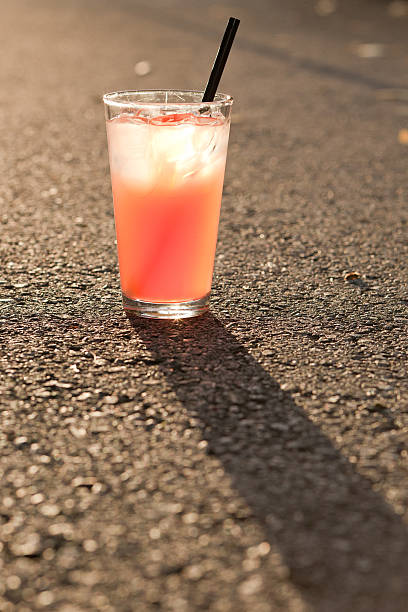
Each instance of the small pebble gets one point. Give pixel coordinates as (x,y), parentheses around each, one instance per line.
(20,440)
(190,518)
(325,7)
(90,546)
(78,432)
(333,399)
(398,8)
(194,572)
(13,583)
(370,50)
(250,586)
(84,396)
(25,545)
(37,498)
(8,502)
(111,399)
(143,68)
(46,598)
(264,549)
(50,510)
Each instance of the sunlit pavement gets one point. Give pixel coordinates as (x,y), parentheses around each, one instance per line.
(254,458)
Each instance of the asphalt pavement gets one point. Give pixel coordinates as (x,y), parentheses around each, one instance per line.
(255,458)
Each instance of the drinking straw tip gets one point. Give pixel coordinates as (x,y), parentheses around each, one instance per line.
(221,59)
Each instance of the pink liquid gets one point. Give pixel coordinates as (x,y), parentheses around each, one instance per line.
(167,210)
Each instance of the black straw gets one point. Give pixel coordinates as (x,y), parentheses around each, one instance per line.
(221,59)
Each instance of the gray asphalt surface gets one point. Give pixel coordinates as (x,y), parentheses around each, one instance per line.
(256,458)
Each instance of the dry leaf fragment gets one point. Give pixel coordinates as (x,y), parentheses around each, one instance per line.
(352,276)
(403,137)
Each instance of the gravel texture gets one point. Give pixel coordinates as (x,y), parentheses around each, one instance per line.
(253,459)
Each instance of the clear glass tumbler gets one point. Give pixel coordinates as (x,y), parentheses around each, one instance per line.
(167,153)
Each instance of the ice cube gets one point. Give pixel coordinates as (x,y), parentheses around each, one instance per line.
(205,140)
(172,144)
(185,149)
(129,144)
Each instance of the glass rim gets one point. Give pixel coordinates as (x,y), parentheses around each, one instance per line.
(113,98)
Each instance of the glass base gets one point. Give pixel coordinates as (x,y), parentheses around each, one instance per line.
(166,310)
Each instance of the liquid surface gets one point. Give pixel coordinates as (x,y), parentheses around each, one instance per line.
(167,176)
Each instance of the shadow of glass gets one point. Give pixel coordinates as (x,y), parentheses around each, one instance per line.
(344,545)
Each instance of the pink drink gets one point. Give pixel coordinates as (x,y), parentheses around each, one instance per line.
(167,176)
